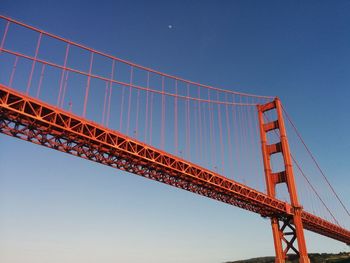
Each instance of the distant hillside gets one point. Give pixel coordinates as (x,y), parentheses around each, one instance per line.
(314,258)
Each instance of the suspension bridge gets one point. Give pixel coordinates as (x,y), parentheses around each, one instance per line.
(225,145)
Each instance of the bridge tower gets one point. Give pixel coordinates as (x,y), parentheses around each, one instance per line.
(288,229)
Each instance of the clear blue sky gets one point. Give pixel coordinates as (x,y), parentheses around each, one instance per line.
(59,208)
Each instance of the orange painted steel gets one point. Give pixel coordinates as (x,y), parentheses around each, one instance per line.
(32,120)
(284,234)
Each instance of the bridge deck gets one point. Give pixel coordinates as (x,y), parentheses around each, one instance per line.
(32,120)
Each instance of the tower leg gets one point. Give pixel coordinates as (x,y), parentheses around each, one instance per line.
(303,257)
(277,241)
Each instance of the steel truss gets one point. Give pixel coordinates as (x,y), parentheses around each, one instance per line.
(32,120)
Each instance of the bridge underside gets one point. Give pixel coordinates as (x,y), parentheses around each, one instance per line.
(32,120)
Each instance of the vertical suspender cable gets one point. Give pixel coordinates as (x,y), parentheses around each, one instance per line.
(200,124)
(220,135)
(121,109)
(62,75)
(146,118)
(176,120)
(228,127)
(151,120)
(64,88)
(4,36)
(104,104)
(40,80)
(88,84)
(13,72)
(33,64)
(129,101)
(211,131)
(110,93)
(137,113)
(162,135)
(188,126)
